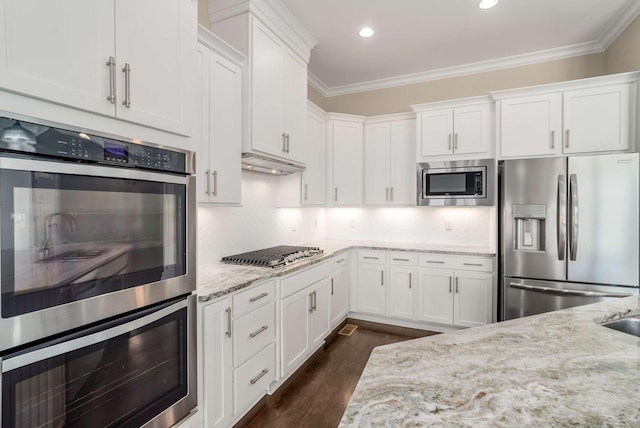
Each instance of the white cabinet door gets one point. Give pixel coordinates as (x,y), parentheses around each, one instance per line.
(217,363)
(376,164)
(473,296)
(266,91)
(596,119)
(313,178)
(471,129)
(58,51)
(346,163)
(294,330)
(402,163)
(155,38)
(401,291)
(435,296)
(531,126)
(435,133)
(371,289)
(201,134)
(225,131)
(294,107)
(339,295)
(319,318)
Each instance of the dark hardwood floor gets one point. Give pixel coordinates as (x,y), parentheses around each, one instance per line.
(320,392)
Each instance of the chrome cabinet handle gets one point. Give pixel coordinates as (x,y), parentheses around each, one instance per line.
(215,183)
(553,139)
(457,289)
(208,191)
(253,299)
(439,262)
(335,194)
(391,192)
(310,303)
(449,142)
(228,311)
(410,281)
(257,378)
(127,85)
(305,192)
(315,301)
(561,217)
(257,332)
(573,197)
(386,196)
(566,140)
(455,141)
(472,264)
(381,277)
(450,284)
(340,261)
(288,144)
(332,286)
(284,142)
(565,292)
(112,79)
(370,258)
(401,260)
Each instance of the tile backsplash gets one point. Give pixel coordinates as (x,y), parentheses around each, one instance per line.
(258,223)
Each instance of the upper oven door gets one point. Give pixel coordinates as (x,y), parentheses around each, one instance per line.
(84,242)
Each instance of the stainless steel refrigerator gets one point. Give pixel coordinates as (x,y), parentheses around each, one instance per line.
(570,232)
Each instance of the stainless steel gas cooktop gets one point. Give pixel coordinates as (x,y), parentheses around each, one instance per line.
(273,257)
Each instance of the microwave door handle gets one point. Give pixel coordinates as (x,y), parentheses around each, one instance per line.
(561,216)
(573,216)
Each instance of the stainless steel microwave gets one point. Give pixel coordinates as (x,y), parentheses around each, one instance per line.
(456,183)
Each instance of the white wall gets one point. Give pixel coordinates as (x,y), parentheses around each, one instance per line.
(224,231)
(469,225)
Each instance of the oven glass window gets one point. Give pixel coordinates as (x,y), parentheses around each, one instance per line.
(69,237)
(124,381)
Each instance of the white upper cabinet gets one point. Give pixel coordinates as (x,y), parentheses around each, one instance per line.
(582,116)
(313,178)
(345,144)
(278,49)
(458,129)
(389,162)
(219,137)
(129,60)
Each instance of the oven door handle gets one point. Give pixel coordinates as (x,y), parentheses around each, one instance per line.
(566,292)
(78,340)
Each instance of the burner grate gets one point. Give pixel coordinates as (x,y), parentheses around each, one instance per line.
(274,256)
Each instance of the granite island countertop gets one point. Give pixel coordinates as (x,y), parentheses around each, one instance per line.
(217,279)
(553,369)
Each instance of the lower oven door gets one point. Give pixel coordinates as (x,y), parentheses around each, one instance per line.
(524,297)
(138,370)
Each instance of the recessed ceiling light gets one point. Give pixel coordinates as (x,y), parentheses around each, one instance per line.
(487,4)
(366,32)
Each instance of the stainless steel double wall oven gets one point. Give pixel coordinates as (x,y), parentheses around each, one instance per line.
(97,264)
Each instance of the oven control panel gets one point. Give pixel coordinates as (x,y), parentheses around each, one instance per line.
(31,138)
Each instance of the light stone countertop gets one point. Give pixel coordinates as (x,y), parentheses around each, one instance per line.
(217,280)
(553,369)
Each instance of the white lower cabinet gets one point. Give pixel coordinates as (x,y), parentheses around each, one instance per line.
(372,296)
(239,353)
(401,291)
(339,293)
(461,298)
(304,315)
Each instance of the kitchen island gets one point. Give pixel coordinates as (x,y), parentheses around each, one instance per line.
(556,369)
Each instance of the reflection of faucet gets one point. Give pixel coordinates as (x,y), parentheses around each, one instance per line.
(46,244)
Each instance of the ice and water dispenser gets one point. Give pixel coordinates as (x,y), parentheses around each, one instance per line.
(529,224)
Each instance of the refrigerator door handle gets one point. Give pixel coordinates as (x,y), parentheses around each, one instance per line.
(566,292)
(561,217)
(573,216)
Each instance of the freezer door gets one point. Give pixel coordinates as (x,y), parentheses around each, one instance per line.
(603,225)
(523,297)
(533,218)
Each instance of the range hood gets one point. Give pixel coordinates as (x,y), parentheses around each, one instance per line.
(267,165)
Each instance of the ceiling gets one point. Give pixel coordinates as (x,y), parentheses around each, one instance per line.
(419,40)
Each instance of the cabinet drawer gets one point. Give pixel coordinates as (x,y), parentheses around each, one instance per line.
(340,260)
(297,281)
(365,256)
(473,263)
(248,300)
(436,261)
(401,258)
(252,379)
(253,332)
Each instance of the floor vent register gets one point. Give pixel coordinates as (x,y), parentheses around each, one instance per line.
(348,329)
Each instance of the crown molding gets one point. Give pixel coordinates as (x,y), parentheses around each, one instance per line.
(313,108)
(461,102)
(346,117)
(390,117)
(601,44)
(221,47)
